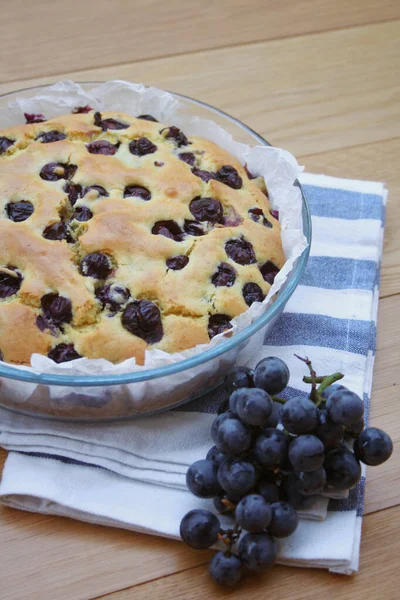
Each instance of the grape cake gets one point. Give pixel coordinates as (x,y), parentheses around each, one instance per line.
(119,234)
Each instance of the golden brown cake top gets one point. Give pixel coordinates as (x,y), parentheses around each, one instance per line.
(119,234)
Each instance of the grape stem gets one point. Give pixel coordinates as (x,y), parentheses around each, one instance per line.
(228,504)
(230,536)
(313,378)
(326,383)
(328,380)
(279,400)
(225,540)
(307,379)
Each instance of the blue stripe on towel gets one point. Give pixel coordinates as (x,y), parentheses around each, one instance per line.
(210,402)
(340,273)
(354,501)
(366,400)
(343,204)
(372,336)
(319,330)
(332,273)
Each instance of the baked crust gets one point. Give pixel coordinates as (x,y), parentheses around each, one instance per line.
(139,301)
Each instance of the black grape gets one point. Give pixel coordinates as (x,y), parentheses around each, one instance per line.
(373,447)
(276,414)
(233,437)
(199,529)
(253,513)
(284,520)
(311,483)
(271,374)
(202,480)
(218,421)
(345,407)
(215,455)
(239,377)
(330,433)
(226,568)
(299,415)
(253,406)
(268,490)
(270,448)
(342,469)
(355,430)
(236,477)
(332,388)
(291,494)
(306,453)
(257,551)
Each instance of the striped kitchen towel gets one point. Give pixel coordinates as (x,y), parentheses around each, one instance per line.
(132,474)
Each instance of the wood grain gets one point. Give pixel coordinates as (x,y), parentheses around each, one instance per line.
(329,92)
(383,483)
(308,94)
(47,37)
(3,456)
(379,575)
(64,559)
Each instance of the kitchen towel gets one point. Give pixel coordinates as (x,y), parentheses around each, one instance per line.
(120,474)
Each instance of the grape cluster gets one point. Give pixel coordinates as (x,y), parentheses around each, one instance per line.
(271,458)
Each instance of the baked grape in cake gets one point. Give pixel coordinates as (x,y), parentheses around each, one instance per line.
(121,234)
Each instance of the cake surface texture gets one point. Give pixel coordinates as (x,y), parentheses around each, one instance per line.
(120,234)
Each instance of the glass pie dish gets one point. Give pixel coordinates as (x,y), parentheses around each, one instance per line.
(148,390)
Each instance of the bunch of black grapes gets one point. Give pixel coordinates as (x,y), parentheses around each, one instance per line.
(272,457)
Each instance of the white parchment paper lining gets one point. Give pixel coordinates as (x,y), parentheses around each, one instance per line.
(278,167)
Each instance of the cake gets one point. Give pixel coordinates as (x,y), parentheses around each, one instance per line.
(120,234)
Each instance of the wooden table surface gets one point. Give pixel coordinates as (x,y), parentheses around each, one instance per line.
(317,77)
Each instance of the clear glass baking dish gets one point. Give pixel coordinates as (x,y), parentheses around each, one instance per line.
(91,397)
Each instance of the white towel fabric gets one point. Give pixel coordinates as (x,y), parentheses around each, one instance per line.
(132,474)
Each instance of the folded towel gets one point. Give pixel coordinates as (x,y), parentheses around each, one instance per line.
(132,474)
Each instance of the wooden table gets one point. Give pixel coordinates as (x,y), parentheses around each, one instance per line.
(318,77)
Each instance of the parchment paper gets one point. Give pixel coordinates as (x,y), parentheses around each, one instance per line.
(278,167)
